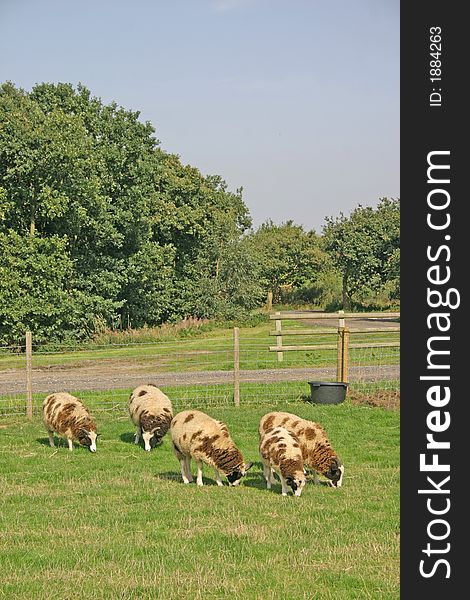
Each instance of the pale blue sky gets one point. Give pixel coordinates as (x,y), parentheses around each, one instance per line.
(295,100)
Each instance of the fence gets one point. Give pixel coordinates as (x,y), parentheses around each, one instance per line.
(367,355)
(342,333)
(198,372)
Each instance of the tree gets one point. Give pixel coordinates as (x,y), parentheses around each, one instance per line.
(228,283)
(201,219)
(142,233)
(365,247)
(34,290)
(286,255)
(73,168)
(148,295)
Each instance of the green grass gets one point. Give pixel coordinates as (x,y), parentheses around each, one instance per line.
(120,523)
(212,350)
(200,396)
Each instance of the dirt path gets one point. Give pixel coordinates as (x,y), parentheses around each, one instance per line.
(13,381)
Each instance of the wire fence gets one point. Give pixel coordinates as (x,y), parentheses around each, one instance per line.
(197,373)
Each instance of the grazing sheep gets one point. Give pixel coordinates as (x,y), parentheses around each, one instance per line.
(280,452)
(316,449)
(69,417)
(151,412)
(206,440)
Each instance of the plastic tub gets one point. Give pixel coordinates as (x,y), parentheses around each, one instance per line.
(327,392)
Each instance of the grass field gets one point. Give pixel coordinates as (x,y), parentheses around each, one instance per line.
(211,350)
(121,524)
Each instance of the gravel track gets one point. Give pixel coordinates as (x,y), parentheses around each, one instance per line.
(14,381)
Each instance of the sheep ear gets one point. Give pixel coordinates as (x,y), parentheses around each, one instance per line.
(248,466)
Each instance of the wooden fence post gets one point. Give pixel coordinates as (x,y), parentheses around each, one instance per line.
(236,366)
(339,360)
(29,375)
(340,353)
(345,355)
(341,321)
(280,355)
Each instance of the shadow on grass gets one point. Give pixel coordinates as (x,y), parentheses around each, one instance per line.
(128,438)
(45,441)
(254,477)
(60,443)
(169,476)
(176,476)
(254,480)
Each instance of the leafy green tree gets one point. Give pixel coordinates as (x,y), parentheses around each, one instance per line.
(71,167)
(365,247)
(228,284)
(34,294)
(201,219)
(286,255)
(142,233)
(148,296)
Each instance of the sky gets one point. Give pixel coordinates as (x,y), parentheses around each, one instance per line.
(296,101)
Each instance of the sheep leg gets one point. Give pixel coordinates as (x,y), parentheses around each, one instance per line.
(69,441)
(285,489)
(267,475)
(137,435)
(217,477)
(199,472)
(187,466)
(51,439)
(273,479)
(183,470)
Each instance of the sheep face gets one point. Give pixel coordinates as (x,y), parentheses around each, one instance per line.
(148,436)
(296,484)
(235,476)
(335,473)
(88,439)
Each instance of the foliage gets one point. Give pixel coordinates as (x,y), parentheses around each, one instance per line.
(35,293)
(101,228)
(365,248)
(324,291)
(287,256)
(228,284)
(141,232)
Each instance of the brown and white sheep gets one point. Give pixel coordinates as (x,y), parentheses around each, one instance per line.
(69,417)
(280,452)
(151,412)
(198,436)
(316,449)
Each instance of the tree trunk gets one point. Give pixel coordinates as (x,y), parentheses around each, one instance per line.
(346,298)
(269,301)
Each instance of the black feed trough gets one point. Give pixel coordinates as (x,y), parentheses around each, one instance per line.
(327,392)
